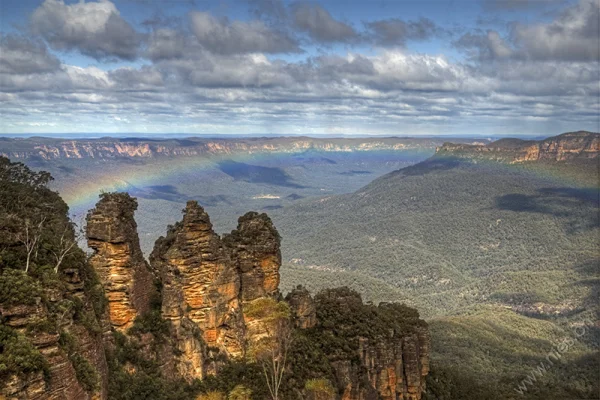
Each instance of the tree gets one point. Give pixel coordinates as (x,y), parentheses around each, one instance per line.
(31,238)
(64,245)
(240,392)
(319,389)
(271,350)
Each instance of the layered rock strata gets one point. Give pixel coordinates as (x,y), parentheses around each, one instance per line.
(303,308)
(568,146)
(118,259)
(206,280)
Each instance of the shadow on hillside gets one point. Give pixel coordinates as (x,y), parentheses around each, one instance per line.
(434,164)
(158,192)
(257,174)
(577,207)
(171,193)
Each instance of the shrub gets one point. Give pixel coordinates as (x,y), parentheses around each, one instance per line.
(240,392)
(18,288)
(18,356)
(320,389)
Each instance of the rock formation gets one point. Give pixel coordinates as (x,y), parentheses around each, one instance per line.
(303,307)
(396,368)
(379,352)
(206,283)
(200,290)
(206,280)
(568,146)
(118,260)
(255,251)
(62,380)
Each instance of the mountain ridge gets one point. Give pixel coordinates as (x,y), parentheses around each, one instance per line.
(110,148)
(566,146)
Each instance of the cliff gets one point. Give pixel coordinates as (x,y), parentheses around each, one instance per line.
(118,259)
(51,311)
(377,352)
(580,145)
(110,148)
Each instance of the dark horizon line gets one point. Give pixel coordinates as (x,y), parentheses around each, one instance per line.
(167,136)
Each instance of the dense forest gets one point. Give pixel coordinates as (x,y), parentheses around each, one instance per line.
(501,259)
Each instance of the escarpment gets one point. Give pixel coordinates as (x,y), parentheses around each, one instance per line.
(569,146)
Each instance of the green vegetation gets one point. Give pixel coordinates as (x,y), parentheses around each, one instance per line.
(446,237)
(343,318)
(18,356)
(320,389)
(467,244)
(151,322)
(240,392)
(497,349)
(271,352)
(18,288)
(38,259)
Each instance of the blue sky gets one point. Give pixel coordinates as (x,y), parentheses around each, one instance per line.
(468,67)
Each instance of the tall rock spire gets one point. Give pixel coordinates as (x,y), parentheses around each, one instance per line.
(200,282)
(125,275)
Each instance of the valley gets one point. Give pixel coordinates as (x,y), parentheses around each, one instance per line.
(227,176)
(496,244)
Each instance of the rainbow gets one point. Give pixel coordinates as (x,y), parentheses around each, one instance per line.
(81,191)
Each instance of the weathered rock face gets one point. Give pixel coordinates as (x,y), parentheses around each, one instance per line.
(206,281)
(255,251)
(390,356)
(62,382)
(50,149)
(396,368)
(303,308)
(201,289)
(568,146)
(118,260)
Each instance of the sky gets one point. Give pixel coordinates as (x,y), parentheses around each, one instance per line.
(379,67)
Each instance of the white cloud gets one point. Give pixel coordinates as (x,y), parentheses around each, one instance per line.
(234,37)
(94,28)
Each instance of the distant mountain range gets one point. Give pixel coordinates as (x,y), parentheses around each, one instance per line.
(106,148)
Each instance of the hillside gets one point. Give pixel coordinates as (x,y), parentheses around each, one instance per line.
(449,233)
(460,231)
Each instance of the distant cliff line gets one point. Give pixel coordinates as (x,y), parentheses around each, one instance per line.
(108,148)
(567,146)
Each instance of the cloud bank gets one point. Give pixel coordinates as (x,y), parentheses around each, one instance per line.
(209,74)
